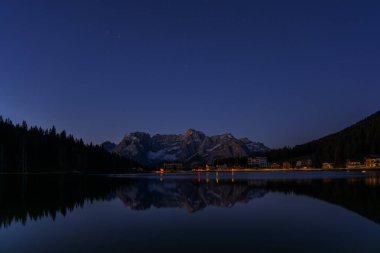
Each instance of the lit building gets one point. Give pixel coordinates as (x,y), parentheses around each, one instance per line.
(306,163)
(258,162)
(353,165)
(222,166)
(372,161)
(327,165)
(286,165)
(209,167)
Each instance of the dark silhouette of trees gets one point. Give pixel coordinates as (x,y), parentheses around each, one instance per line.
(31,149)
(354,142)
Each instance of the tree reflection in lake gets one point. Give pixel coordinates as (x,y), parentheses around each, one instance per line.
(36,196)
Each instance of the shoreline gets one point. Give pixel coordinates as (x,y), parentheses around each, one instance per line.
(266,170)
(250,170)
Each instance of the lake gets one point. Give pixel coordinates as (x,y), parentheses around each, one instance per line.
(196,212)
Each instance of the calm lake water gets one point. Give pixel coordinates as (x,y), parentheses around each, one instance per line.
(205,212)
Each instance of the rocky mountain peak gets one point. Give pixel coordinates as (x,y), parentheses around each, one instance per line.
(192,147)
(136,135)
(193,132)
(227,136)
(245,140)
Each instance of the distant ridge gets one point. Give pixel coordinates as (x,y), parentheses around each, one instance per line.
(353,142)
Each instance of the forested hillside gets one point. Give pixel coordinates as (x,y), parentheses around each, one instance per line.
(354,142)
(32,149)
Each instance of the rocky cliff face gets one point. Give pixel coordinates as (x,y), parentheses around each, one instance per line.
(192,147)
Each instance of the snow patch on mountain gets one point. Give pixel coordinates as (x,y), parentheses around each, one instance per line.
(213,148)
(161,155)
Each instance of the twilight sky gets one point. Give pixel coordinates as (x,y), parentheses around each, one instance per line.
(280,72)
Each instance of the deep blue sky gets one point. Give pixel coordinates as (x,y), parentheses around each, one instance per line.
(280,72)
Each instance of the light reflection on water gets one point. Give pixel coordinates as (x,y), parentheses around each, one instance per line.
(217,212)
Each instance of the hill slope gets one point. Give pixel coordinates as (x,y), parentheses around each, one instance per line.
(354,142)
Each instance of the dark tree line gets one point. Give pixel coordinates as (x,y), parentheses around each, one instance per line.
(354,142)
(33,149)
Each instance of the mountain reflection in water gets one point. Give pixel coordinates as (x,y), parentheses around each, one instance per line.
(37,196)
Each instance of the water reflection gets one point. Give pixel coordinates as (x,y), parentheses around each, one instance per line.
(188,194)
(36,196)
(33,197)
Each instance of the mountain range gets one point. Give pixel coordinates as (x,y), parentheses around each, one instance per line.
(192,147)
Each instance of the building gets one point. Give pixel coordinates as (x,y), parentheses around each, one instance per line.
(275,166)
(221,167)
(372,161)
(257,162)
(286,165)
(353,165)
(210,167)
(305,163)
(327,165)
